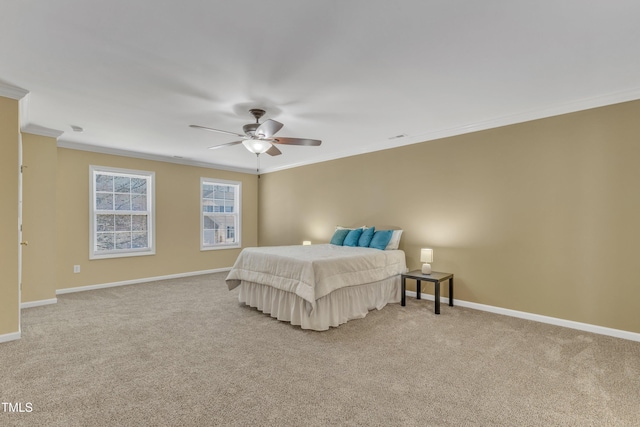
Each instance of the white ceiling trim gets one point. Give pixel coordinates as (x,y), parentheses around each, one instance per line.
(556,110)
(10,91)
(146,156)
(41,130)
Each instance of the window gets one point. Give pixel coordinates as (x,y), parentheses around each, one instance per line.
(122,213)
(220,208)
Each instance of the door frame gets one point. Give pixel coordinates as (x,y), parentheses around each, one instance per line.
(20,241)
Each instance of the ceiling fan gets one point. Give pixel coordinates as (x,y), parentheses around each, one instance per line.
(258,137)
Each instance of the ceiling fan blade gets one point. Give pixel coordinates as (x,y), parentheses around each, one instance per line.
(228,144)
(273,151)
(268,129)
(216,130)
(296,141)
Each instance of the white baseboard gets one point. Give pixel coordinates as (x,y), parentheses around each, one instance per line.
(135,281)
(38,303)
(10,337)
(617,333)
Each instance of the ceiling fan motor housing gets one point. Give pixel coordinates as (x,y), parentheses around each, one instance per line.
(250,129)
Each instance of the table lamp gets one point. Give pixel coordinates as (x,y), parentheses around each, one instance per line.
(426,256)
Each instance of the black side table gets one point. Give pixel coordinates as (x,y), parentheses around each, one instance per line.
(435,277)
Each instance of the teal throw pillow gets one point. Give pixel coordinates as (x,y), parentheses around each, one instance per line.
(353,237)
(339,236)
(381,239)
(366,236)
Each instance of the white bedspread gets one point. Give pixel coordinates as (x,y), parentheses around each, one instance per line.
(314,271)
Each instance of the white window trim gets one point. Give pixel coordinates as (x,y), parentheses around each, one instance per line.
(238,243)
(92,214)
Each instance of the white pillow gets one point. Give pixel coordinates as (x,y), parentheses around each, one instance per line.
(395,240)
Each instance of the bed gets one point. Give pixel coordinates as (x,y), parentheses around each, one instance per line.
(317,286)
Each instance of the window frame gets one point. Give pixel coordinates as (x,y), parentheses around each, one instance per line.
(150,213)
(237,214)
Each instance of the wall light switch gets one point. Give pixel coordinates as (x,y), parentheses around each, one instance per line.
(76,269)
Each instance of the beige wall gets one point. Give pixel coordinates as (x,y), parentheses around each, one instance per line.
(39,154)
(9,143)
(177,221)
(540,217)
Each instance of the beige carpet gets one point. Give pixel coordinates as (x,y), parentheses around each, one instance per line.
(185,353)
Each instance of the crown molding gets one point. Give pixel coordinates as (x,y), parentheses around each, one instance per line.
(10,91)
(542,113)
(146,156)
(41,130)
(549,111)
(25,124)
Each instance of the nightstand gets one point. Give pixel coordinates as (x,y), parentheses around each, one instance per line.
(435,277)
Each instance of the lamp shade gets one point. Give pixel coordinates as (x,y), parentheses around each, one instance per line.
(426,255)
(256,146)
(306,242)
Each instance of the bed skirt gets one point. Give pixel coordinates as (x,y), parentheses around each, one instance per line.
(340,306)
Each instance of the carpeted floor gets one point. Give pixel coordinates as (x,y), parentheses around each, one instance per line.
(186,353)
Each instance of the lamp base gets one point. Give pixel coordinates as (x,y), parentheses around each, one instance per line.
(426,268)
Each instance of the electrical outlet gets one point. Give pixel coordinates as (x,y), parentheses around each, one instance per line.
(76,269)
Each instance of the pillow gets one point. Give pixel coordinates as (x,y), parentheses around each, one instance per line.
(381,239)
(339,236)
(366,236)
(395,240)
(353,237)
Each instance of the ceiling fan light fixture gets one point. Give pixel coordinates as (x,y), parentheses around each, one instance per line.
(256,146)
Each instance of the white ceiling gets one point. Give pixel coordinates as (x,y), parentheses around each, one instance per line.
(353,73)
